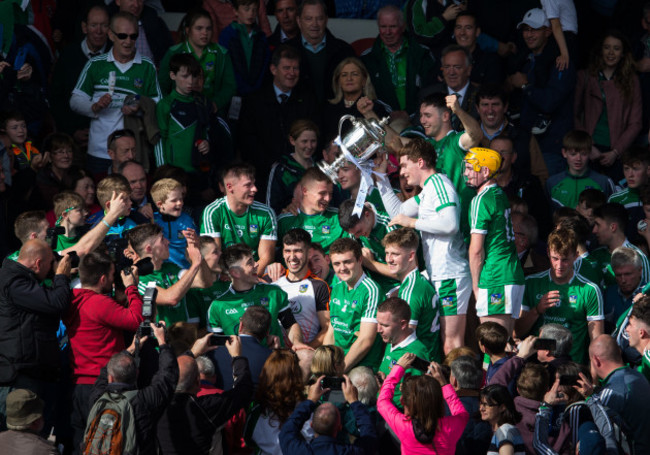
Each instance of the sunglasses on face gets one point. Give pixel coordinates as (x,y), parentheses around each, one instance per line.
(123,36)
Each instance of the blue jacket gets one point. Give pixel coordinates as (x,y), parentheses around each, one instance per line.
(627,392)
(291,440)
(248,74)
(172,228)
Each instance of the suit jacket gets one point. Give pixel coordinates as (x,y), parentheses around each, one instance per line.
(335,50)
(251,349)
(263,128)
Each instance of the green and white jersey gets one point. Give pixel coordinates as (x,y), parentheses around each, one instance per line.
(603,258)
(14,256)
(490,216)
(392,354)
(373,243)
(226,310)
(324,227)
(137,77)
(589,266)
(63,242)
(629,197)
(349,308)
(421,296)
(580,302)
(165,278)
(644,368)
(450,162)
(374,197)
(207,296)
(258,223)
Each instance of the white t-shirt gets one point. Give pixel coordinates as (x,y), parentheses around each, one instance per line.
(564,10)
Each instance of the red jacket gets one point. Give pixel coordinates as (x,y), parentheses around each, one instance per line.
(95,324)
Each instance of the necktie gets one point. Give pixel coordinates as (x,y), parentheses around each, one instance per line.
(283,98)
(454,118)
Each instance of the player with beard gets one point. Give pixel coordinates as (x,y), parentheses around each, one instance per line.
(309,296)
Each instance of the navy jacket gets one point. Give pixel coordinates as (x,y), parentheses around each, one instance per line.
(251,349)
(291,440)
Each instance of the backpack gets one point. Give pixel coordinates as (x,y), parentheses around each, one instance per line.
(110,428)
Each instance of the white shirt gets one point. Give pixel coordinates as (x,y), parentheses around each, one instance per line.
(565,11)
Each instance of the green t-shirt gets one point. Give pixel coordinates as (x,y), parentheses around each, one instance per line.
(629,197)
(63,242)
(228,307)
(14,256)
(450,162)
(348,309)
(258,223)
(589,266)
(206,297)
(490,216)
(580,302)
(425,312)
(393,353)
(165,278)
(644,368)
(324,227)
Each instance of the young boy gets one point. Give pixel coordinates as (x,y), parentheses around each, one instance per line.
(247,47)
(167,194)
(24,155)
(588,201)
(71,214)
(492,339)
(563,188)
(182,118)
(113,185)
(636,169)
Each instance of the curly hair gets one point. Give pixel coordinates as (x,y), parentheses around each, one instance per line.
(280,388)
(625,73)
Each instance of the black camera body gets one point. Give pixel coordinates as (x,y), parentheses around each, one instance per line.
(52,235)
(148,312)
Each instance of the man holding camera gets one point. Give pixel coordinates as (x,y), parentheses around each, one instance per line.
(29,320)
(172,283)
(96,325)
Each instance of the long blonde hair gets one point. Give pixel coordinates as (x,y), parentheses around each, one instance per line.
(368,89)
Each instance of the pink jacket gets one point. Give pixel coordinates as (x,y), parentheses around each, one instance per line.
(624,118)
(450,428)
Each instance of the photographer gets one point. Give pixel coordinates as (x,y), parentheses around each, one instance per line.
(189,422)
(326,425)
(120,375)
(96,325)
(172,283)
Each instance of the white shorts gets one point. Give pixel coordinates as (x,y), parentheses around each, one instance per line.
(500,299)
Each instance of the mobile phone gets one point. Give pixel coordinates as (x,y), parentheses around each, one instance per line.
(545,344)
(332,383)
(74,259)
(420,364)
(569,379)
(219,340)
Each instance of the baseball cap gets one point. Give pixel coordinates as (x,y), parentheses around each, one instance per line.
(23,408)
(534,18)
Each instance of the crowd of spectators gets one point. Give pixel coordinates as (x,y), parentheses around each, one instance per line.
(191,249)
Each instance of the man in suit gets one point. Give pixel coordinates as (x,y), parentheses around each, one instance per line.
(320,51)
(456,71)
(254,327)
(268,113)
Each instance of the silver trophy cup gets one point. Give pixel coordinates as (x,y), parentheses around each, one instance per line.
(360,143)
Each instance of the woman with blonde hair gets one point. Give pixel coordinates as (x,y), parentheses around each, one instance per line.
(350,82)
(279,391)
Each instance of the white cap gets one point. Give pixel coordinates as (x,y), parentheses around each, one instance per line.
(534,18)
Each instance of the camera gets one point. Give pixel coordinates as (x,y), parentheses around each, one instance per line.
(122,263)
(218,340)
(332,383)
(420,364)
(148,312)
(545,344)
(52,235)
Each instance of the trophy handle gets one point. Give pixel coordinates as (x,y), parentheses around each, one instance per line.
(343,119)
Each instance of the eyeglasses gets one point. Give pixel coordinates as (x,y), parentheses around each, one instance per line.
(123,36)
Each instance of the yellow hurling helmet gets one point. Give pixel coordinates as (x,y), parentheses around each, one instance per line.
(480,157)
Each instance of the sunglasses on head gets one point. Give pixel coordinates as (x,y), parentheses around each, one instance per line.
(123,36)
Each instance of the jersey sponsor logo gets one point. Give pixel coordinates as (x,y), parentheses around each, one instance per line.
(138,83)
(253,229)
(447,301)
(496,299)
(325,230)
(354,304)
(303,288)
(264,301)
(209,66)
(232,311)
(539,296)
(335,301)
(296,306)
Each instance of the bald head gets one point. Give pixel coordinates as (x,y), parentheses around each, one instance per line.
(37,256)
(327,420)
(604,347)
(188,375)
